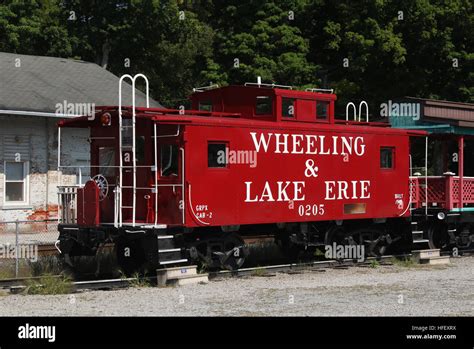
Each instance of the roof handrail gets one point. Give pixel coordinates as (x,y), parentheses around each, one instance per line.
(273,85)
(324,90)
(205,88)
(366,110)
(269,85)
(347,111)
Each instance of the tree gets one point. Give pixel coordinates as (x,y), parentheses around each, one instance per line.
(33,27)
(260,38)
(144,36)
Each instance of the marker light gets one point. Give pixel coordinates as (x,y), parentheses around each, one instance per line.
(106,119)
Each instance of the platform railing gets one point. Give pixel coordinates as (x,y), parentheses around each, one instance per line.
(443,191)
(67,199)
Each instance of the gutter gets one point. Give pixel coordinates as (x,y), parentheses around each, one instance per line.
(36,113)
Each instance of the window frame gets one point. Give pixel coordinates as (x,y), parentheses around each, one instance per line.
(328,106)
(227,147)
(25,181)
(289,117)
(178,169)
(270,98)
(206,102)
(392,152)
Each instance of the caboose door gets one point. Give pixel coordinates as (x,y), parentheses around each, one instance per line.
(137,190)
(170,180)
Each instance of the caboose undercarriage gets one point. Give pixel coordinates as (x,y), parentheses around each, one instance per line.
(141,248)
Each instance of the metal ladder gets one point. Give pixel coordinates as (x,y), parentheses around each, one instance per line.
(419,236)
(121,207)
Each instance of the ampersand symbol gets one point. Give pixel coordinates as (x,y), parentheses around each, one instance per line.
(311,169)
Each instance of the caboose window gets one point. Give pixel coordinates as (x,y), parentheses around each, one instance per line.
(288,107)
(106,161)
(322,110)
(169,160)
(205,105)
(140,150)
(263,105)
(217,155)
(386,157)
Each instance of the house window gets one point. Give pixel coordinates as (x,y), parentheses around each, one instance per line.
(263,105)
(288,107)
(169,160)
(217,155)
(205,105)
(322,110)
(16,182)
(386,157)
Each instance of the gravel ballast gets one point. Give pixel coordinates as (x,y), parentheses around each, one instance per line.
(382,291)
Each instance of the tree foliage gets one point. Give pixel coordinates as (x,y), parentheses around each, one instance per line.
(370,49)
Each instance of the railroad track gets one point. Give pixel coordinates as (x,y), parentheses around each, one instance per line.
(18,284)
(299,267)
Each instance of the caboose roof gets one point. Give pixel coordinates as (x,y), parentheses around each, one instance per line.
(264,90)
(199,118)
(35,84)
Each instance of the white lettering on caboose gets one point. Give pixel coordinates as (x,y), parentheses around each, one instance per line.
(308,144)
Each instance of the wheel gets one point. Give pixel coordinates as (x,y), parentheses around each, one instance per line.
(374,241)
(234,251)
(438,237)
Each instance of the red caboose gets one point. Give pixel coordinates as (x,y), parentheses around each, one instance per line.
(174,185)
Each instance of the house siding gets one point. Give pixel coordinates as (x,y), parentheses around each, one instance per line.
(35,139)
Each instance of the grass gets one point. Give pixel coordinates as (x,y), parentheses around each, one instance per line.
(138,281)
(202,268)
(259,272)
(47,265)
(374,263)
(319,254)
(49,284)
(404,262)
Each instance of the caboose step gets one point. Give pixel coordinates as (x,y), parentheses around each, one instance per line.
(436,260)
(190,279)
(180,276)
(428,253)
(176,261)
(420,241)
(161,237)
(169,250)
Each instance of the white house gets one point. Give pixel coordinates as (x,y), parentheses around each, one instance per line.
(32,91)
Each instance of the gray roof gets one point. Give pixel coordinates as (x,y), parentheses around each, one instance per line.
(42,82)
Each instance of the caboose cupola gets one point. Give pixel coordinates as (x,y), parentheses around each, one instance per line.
(267,102)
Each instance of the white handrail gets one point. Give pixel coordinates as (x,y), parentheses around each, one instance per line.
(325,90)
(347,111)
(134,165)
(366,110)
